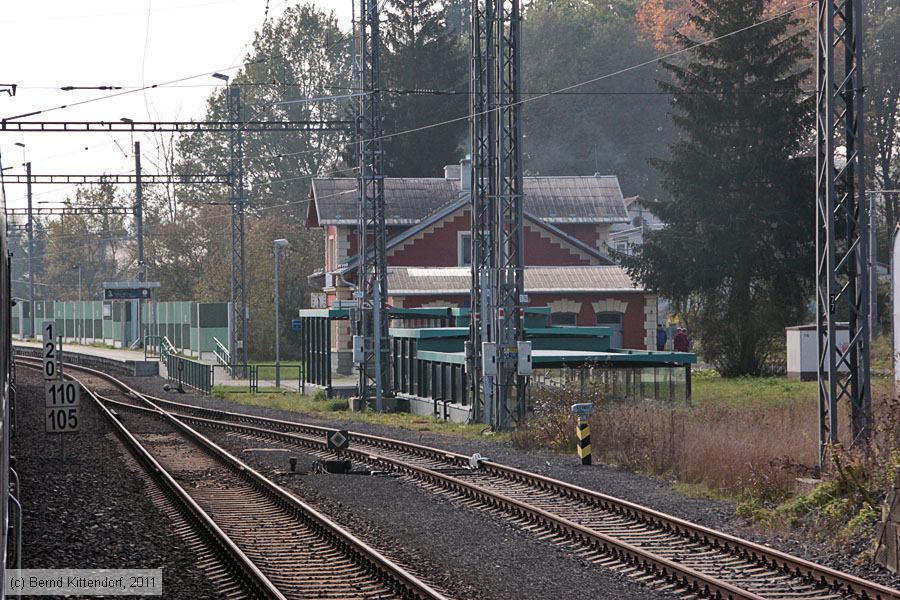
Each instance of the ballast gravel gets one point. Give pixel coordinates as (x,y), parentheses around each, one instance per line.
(465,553)
(650,492)
(89,509)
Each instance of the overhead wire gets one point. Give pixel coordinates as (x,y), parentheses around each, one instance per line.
(540,96)
(558,91)
(214,217)
(130,91)
(567,88)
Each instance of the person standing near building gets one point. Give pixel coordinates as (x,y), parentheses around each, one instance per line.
(661,337)
(681,342)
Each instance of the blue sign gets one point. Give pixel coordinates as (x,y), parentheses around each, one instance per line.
(296,324)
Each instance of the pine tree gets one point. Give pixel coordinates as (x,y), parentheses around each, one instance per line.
(737,246)
(425,75)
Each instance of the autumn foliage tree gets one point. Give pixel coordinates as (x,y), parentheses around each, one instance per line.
(660,20)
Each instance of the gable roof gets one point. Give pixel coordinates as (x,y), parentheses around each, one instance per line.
(408,200)
(460,204)
(411,281)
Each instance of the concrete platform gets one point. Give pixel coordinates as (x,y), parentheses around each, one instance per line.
(127,362)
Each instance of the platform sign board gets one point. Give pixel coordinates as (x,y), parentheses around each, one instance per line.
(128,290)
(126,294)
(582,409)
(48,352)
(337,440)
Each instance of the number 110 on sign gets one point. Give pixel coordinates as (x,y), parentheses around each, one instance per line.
(62,393)
(62,400)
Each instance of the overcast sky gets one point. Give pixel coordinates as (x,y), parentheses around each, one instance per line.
(48,44)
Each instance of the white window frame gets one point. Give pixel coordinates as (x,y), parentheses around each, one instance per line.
(460,235)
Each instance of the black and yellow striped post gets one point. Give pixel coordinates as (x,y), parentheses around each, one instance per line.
(583,433)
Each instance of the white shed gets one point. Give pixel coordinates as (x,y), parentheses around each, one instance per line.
(803,350)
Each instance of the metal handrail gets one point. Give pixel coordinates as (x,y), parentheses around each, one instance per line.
(185,371)
(166,346)
(223,356)
(152,344)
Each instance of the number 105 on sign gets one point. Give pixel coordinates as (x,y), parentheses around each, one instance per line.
(62,420)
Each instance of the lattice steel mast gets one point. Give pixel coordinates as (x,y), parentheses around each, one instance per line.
(497,213)
(484,193)
(372,315)
(239,310)
(841,222)
(509,237)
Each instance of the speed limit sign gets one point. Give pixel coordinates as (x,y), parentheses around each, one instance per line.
(62,402)
(48,351)
(63,420)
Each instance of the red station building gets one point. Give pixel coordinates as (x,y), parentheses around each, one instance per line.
(567,226)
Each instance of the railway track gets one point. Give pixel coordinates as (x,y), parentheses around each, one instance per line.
(280,546)
(663,551)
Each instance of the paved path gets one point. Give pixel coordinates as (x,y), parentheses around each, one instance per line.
(288,380)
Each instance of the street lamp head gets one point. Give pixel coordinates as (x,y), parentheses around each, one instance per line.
(280,243)
(20,144)
(221,76)
(126,120)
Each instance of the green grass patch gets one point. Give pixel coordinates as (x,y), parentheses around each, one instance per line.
(337,409)
(289,370)
(741,391)
(280,399)
(700,491)
(882,353)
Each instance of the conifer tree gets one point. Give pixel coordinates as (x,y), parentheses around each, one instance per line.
(736,252)
(425,74)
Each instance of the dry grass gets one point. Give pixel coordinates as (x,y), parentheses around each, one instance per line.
(739,443)
(730,449)
(748,438)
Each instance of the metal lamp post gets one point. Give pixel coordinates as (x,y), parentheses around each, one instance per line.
(281,243)
(80,301)
(29,229)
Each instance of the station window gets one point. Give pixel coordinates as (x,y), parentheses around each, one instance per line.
(330,253)
(564,318)
(464,249)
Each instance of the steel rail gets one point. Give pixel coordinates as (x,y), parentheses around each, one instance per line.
(247,573)
(390,574)
(771,558)
(394,576)
(656,565)
(776,559)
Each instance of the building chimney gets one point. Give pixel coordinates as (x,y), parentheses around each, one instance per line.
(465,175)
(451,172)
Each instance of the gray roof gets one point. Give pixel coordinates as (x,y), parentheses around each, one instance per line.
(590,199)
(410,281)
